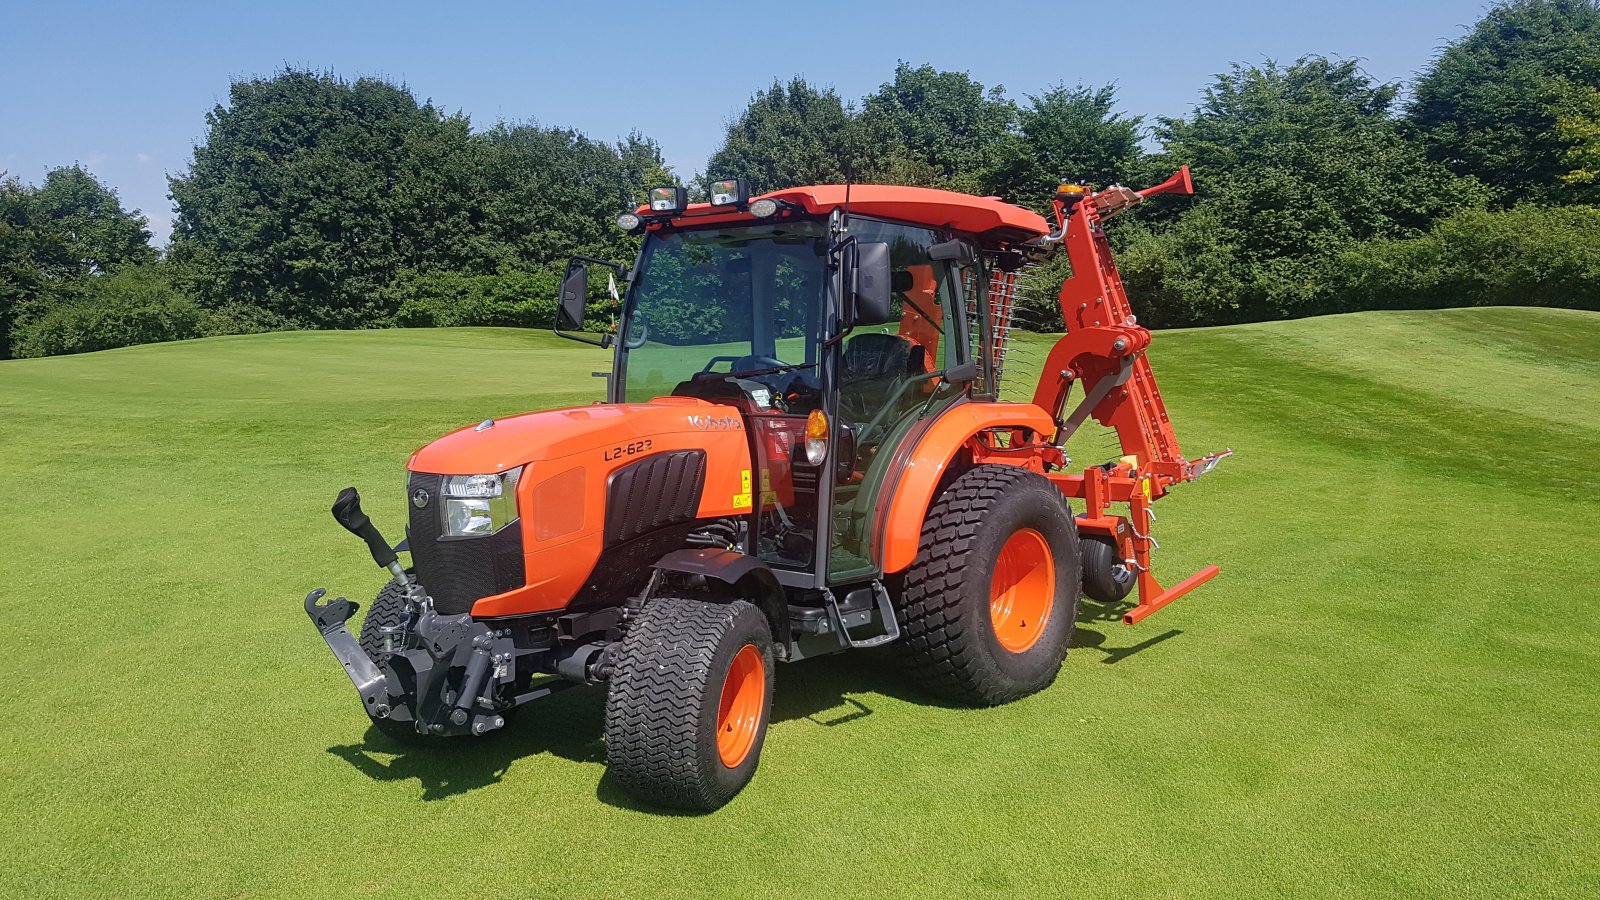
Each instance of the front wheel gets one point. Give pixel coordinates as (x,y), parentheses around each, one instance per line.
(689,700)
(989,603)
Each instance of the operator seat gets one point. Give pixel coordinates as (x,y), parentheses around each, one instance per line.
(874,364)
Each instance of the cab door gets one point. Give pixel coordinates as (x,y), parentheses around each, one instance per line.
(891,377)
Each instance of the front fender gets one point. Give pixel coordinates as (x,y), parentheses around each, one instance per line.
(926,461)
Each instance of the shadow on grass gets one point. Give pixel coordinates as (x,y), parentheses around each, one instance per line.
(1109,613)
(830,692)
(571,725)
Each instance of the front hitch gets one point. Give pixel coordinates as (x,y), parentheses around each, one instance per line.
(437,674)
(370,681)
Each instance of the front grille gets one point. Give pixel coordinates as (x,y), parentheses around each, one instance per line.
(459,571)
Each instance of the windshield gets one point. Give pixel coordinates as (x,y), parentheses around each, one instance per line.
(732,299)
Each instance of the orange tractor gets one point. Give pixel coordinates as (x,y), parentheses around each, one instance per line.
(803,451)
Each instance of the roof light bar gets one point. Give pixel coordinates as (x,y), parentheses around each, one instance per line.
(669,199)
(730,192)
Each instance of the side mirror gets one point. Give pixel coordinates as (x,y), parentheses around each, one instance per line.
(869,283)
(572,297)
(953,251)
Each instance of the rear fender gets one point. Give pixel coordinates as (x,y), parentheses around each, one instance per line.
(747,577)
(926,461)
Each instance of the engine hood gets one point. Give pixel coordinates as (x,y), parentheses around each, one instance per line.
(557,433)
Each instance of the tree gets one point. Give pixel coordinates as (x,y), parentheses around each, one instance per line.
(55,237)
(791,135)
(1066,134)
(1291,164)
(944,120)
(1487,106)
(98,235)
(547,193)
(310,193)
(20,274)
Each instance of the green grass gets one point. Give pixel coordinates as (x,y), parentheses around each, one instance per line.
(1393,688)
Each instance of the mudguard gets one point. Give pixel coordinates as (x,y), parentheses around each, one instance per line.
(927,458)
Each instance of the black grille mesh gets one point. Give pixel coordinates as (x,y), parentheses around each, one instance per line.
(459,571)
(653,493)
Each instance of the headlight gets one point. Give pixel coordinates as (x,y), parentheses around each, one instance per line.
(480,504)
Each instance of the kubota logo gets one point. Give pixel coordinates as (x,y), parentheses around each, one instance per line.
(717,423)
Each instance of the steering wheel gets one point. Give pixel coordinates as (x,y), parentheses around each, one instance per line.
(637,332)
(754,363)
(741,364)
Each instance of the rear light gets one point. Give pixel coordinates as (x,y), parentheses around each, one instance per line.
(816,437)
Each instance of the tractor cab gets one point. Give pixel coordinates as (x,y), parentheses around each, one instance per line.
(831,335)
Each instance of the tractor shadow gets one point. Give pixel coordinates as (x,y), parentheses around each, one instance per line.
(568,724)
(1093,613)
(571,725)
(831,692)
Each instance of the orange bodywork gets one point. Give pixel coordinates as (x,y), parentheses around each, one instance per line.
(926,460)
(922,316)
(569,454)
(925,206)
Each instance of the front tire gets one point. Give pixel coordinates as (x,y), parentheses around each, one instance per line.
(690,696)
(989,603)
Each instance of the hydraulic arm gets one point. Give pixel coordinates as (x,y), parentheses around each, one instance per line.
(1103,353)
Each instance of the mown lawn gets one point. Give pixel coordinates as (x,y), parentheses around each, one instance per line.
(1392,690)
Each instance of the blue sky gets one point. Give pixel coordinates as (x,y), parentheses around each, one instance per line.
(123,88)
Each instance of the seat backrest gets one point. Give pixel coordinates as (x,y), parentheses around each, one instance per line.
(876,355)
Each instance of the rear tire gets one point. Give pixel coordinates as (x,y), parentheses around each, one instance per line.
(690,696)
(1105,577)
(989,603)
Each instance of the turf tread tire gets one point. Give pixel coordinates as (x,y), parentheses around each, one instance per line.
(1100,567)
(661,708)
(387,609)
(944,604)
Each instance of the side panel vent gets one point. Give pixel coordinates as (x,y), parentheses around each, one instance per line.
(654,493)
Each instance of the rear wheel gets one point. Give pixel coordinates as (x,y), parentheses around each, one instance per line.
(689,700)
(1105,576)
(989,604)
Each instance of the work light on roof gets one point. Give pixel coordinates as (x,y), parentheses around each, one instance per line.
(730,192)
(763,209)
(668,199)
(628,221)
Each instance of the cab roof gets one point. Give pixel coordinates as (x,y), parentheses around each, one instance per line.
(989,219)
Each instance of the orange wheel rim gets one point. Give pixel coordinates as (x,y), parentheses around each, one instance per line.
(1022,591)
(744,693)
